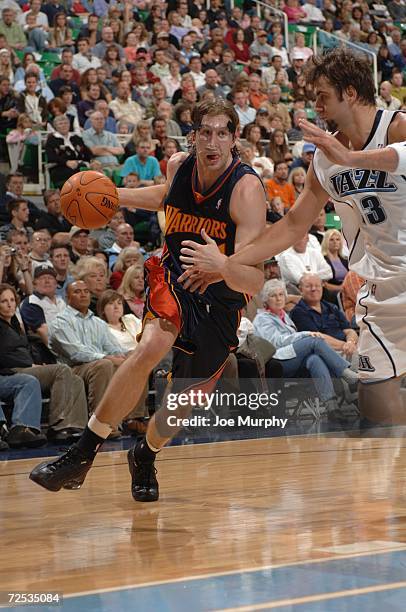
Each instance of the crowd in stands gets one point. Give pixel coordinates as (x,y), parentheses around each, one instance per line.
(111,86)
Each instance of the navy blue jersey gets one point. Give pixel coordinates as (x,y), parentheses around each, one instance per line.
(187,212)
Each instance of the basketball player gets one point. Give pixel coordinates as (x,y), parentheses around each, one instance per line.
(362,167)
(209,188)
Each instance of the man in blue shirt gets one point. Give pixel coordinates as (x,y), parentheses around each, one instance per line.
(312,313)
(146,166)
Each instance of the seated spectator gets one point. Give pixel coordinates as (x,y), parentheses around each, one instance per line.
(301,258)
(385,99)
(19,214)
(125,108)
(19,240)
(33,103)
(262,165)
(278,149)
(15,191)
(294,11)
(66,95)
(125,329)
(306,157)
(39,249)
(67,407)
(313,15)
(318,229)
(85,342)
(124,237)
(60,33)
(35,25)
(87,105)
(275,70)
(297,178)
(84,59)
(92,271)
(111,60)
(129,256)
(52,219)
(312,313)
(15,269)
(13,32)
(103,145)
(106,236)
(110,124)
(278,186)
(60,259)
(24,392)
(8,106)
(51,9)
(170,147)
(183,116)
(132,289)
(66,78)
(300,45)
(300,351)
(349,292)
(246,113)
(73,74)
(146,167)
(78,238)
(107,39)
(227,70)
(332,249)
(66,152)
(17,141)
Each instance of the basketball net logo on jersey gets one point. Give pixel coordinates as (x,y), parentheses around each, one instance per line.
(364,364)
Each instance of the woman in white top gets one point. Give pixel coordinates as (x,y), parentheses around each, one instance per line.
(125,329)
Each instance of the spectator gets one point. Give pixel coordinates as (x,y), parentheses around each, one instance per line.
(67,407)
(279,49)
(212,84)
(107,39)
(164,110)
(8,106)
(19,214)
(349,292)
(385,99)
(52,219)
(227,70)
(297,178)
(173,80)
(398,90)
(332,249)
(252,134)
(129,256)
(60,260)
(146,166)
(66,152)
(66,78)
(91,30)
(66,95)
(262,165)
(39,252)
(125,329)
(124,238)
(84,59)
(240,47)
(61,35)
(132,289)
(313,314)
(318,229)
(84,341)
(276,107)
(102,144)
(19,240)
(110,124)
(93,271)
(78,239)
(51,9)
(306,157)
(33,103)
(313,14)
(42,306)
(278,149)
(183,114)
(195,67)
(106,236)
(301,258)
(300,351)
(270,74)
(256,95)
(15,191)
(87,106)
(294,11)
(164,45)
(112,60)
(300,46)
(397,10)
(12,30)
(261,47)
(24,392)
(279,186)
(385,63)
(125,108)
(15,269)
(298,61)
(245,112)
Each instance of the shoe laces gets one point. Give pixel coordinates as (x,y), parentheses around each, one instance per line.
(71,457)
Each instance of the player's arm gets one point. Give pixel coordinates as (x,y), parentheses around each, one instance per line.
(248,211)
(272,241)
(391,158)
(151,198)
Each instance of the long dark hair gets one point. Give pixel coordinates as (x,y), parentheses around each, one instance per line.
(343,69)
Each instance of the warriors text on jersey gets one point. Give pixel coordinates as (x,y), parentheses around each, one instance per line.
(371,204)
(187,212)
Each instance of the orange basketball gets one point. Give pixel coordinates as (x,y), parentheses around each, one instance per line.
(89,199)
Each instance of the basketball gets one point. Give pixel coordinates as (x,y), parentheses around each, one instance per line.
(89,199)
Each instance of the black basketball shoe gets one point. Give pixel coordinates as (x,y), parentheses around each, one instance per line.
(144,485)
(68,471)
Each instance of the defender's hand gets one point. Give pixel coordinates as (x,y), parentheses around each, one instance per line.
(193,280)
(204,257)
(328,144)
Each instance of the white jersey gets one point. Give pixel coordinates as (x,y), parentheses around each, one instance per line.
(372,207)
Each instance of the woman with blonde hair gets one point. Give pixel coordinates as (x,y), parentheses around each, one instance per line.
(92,271)
(133,291)
(129,256)
(142,131)
(6,64)
(297,178)
(332,249)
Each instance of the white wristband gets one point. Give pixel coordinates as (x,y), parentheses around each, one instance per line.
(400,148)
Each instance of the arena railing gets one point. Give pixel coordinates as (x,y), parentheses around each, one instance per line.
(317,47)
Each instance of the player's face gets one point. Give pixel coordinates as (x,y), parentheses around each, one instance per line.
(214,142)
(328,106)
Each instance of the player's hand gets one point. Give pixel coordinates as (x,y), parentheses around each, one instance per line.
(193,280)
(328,144)
(204,257)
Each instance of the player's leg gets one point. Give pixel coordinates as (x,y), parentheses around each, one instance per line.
(125,388)
(200,369)
(382,403)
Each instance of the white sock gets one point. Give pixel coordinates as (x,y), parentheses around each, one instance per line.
(103,430)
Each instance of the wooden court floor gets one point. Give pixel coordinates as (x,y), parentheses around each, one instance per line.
(224,507)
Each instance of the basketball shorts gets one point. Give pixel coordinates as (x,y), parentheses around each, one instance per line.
(381,316)
(206,334)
